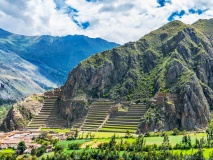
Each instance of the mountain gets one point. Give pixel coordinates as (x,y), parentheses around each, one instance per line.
(32,64)
(20,78)
(176,58)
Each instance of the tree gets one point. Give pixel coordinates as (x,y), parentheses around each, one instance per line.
(76,134)
(165,144)
(140,143)
(112,143)
(33,152)
(22,147)
(185,141)
(209,133)
(175,131)
(189,141)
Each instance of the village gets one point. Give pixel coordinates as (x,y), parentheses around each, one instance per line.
(13,138)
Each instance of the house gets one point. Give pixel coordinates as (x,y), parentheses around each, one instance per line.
(161,97)
(27,151)
(70,133)
(49,148)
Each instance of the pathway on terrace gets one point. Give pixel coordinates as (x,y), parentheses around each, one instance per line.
(96,115)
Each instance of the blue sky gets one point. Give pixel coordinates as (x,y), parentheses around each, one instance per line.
(114,20)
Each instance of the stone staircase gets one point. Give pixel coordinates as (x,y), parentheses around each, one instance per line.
(129,121)
(96,115)
(48,116)
(78,123)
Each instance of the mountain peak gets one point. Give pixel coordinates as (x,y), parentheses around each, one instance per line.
(4,33)
(205,26)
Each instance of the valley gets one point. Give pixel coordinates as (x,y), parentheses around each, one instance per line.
(34,64)
(141,100)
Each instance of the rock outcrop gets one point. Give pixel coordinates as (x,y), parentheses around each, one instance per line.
(176,58)
(21,113)
(73,109)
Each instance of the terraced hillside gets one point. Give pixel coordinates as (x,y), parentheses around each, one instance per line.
(48,116)
(96,115)
(78,123)
(129,121)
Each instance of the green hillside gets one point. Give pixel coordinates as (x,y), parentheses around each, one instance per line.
(176,58)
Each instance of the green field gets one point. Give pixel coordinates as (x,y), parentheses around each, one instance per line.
(65,143)
(105,134)
(207,152)
(50,154)
(56,130)
(101,137)
(7,151)
(173,139)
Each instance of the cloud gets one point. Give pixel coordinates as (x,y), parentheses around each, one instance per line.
(114,20)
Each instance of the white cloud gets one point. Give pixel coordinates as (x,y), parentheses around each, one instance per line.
(114,20)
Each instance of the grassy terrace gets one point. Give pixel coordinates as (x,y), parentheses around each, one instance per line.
(126,122)
(44,118)
(97,115)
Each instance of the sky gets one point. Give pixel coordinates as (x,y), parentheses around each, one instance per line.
(118,21)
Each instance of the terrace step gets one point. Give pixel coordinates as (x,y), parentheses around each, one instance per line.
(48,115)
(129,121)
(96,115)
(116,130)
(121,127)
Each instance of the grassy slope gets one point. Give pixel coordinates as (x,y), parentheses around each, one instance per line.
(151,62)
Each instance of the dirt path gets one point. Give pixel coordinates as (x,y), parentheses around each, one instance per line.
(95,145)
(87,144)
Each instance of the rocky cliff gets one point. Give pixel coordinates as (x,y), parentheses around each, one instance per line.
(175,58)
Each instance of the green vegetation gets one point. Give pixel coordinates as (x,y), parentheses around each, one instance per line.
(120,145)
(205,26)
(22,147)
(6,151)
(57,130)
(7,154)
(140,147)
(3,112)
(6,102)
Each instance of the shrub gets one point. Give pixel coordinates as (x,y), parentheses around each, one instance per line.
(103,145)
(74,146)
(147,134)
(59,148)
(22,146)
(41,150)
(175,132)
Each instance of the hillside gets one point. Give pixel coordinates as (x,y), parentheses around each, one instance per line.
(22,112)
(34,64)
(20,78)
(176,58)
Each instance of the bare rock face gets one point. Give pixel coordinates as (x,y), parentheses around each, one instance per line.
(193,98)
(73,110)
(176,58)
